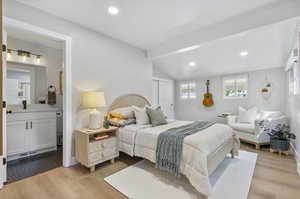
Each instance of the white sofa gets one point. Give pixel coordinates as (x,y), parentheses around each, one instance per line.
(254,133)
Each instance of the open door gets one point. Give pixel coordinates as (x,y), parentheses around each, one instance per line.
(2,103)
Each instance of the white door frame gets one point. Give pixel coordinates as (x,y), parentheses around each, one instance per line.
(173,91)
(3,167)
(67,97)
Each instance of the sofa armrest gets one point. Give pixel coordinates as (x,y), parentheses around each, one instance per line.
(231,119)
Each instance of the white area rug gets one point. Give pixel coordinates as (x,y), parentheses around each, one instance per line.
(231,180)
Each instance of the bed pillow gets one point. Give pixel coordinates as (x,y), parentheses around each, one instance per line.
(156,116)
(247,116)
(157,107)
(121,122)
(122,113)
(141,115)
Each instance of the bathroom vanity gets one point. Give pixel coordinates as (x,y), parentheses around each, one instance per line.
(30,132)
(31,123)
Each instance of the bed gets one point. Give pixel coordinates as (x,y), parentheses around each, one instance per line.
(201,153)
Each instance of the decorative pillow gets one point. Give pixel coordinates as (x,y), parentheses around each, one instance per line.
(157,107)
(156,116)
(141,115)
(116,115)
(247,116)
(121,122)
(124,112)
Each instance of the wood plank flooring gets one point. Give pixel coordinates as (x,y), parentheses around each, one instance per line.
(274,178)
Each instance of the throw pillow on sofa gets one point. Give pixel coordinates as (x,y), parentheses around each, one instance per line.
(247,116)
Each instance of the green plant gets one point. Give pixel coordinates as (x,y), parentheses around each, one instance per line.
(282,132)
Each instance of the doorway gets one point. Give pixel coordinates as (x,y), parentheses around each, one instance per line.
(33,125)
(163,95)
(29,84)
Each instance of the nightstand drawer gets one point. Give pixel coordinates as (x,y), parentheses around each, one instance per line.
(103,155)
(102,144)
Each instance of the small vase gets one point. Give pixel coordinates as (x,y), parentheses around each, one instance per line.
(106,123)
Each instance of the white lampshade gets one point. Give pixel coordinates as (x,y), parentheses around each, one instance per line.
(92,99)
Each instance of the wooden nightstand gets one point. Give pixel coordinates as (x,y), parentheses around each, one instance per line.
(90,151)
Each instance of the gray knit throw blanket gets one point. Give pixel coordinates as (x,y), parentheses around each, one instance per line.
(169,145)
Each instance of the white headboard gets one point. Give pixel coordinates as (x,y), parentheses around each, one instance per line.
(129,100)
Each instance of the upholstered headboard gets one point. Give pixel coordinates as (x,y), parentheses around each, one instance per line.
(128,100)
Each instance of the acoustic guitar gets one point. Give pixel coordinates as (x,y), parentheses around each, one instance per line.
(208,98)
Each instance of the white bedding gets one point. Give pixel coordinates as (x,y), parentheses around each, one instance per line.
(141,140)
(126,137)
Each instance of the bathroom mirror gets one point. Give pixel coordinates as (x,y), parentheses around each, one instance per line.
(25,82)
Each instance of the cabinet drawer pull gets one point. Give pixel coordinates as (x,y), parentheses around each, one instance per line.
(26,125)
(31,124)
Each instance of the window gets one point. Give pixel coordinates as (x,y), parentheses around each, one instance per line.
(188,90)
(235,86)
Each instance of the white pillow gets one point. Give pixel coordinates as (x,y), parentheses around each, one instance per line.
(141,115)
(247,116)
(126,112)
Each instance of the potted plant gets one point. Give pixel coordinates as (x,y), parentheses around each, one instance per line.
(280,137)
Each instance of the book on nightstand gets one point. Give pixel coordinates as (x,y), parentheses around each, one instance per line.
(102,137)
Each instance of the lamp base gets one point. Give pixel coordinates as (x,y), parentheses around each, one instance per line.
(95,119)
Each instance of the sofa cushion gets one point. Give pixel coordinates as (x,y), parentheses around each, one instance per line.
(245,127)
(247,116)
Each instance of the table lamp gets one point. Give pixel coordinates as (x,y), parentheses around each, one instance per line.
(93,100)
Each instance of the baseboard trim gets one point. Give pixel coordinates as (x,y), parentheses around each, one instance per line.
(73,161)
(297,158)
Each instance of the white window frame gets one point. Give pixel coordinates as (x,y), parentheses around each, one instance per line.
(234,78)
(191,90)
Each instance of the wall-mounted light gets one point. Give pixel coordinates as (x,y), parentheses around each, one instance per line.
(24,53)
(38,58)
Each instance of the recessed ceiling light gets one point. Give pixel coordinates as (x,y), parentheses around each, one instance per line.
(192,63)
(113,10)
(244,53)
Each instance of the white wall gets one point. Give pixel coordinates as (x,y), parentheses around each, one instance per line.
(194,110)
(156,72)
(98,61)
(53,61)
(293,112)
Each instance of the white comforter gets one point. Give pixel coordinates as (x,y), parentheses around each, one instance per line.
(141,141)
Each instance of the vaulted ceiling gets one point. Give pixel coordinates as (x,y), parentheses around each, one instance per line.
(267,47)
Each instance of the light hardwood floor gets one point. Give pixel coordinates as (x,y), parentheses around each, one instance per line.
(274,178)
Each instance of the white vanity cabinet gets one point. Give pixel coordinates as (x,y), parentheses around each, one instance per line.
(42,134)
(30,133)
(16,137)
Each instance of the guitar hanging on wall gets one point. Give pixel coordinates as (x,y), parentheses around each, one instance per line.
(208,98)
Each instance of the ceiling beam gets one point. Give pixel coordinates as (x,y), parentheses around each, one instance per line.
(271,13)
